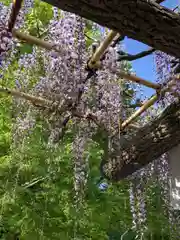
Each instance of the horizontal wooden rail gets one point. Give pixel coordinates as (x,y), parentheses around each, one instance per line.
(31,98)
(139,80)
(33,40)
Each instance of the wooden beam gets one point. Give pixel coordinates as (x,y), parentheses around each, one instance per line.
(142,20)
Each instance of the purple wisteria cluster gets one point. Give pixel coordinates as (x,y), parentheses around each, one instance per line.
(137,198)
(7,43)
(157,172)
(8,51)
(65,75)
(5,36)
(167,71)
(81,165)
(163,66)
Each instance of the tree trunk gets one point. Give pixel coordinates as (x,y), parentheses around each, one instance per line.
(148,144)
(143,20)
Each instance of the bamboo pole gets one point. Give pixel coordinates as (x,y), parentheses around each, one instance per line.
(139,80)
(101,49)
(149,103)
(49,46)
(31,98)
(33,40)
(94,63)
(145,106)
(59,107)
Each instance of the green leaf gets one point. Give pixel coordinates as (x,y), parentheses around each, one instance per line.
(26,48)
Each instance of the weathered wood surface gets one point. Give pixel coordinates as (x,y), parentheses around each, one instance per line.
(154,139)
(143,20)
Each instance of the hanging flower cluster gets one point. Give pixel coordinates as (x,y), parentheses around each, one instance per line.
(167,71)
(163,66)
(65,80)
(132,201)
(5,36)
(137,194)
(80,168)
(5,41)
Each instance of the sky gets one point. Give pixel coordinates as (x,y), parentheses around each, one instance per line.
(144,67)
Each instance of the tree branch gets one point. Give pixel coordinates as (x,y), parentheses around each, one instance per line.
(129,57)
(148,144)
(90,38)
(159,1)
(14,13)
(34,182)
(89,116)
